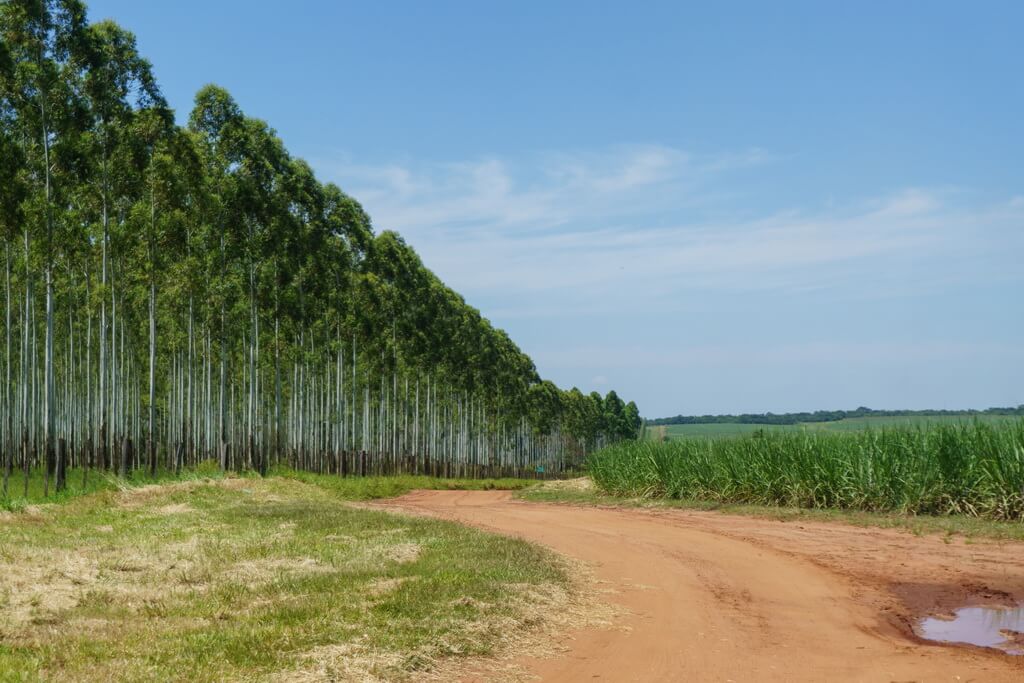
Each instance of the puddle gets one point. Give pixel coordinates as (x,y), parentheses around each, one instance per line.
(998,627)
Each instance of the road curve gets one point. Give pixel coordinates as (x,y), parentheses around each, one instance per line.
(713,597)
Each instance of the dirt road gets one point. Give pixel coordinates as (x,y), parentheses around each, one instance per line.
(714,597)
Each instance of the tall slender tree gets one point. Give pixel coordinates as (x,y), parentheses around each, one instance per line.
(206,296)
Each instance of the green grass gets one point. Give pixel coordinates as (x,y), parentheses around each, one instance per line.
(726,430)
(973,468)
(370,488)
(861,423)
(350,488)
(95,481)
(250,579)
(714,430)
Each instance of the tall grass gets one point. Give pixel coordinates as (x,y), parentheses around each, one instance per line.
(80,483)
(969,468)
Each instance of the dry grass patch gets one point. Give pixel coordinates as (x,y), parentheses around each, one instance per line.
(551,610)
(577,484)
(175,509)
(254,573)
(36,589)
(356,662)
(403,552)
(382,587)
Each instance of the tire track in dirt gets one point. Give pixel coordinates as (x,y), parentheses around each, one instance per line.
(713,597)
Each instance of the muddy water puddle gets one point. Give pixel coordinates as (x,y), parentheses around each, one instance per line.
(997,627)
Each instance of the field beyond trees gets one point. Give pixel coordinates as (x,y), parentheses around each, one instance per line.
(661,432)
(971,468)
(833,416)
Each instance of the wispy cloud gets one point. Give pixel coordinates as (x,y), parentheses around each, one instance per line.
(740,354)
(546,190)
(633,226)
(627,266)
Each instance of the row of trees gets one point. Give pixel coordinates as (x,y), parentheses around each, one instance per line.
(174,294)
(826,416)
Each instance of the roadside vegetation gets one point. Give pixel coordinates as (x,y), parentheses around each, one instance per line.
(375,488)
(974,469)
(83,482)
(583,491)
(253,579)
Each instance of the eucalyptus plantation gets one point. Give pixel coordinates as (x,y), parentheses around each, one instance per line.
(205,297)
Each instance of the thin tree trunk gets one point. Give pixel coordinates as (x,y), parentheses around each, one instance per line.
(151,436)
(89,416)
(48,381)
(8,445)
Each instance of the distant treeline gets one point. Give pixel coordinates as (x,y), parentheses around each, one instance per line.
(824,416)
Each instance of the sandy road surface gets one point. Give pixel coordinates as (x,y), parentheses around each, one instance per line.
(715,597)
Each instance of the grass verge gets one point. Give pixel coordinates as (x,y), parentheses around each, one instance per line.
(258,579)
(371,488)
(351,488)
(82,483)
(583,492)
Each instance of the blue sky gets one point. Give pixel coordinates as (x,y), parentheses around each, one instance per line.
(728,208)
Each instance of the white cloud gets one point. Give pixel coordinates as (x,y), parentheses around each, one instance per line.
(548,190)
(633,226)
(630,265)
(742,355)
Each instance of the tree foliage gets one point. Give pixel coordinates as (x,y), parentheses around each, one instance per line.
(207,296)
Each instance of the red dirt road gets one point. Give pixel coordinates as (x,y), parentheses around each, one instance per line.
(713,597)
